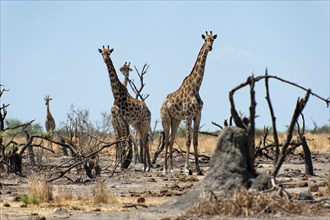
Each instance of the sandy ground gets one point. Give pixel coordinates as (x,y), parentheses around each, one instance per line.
(137,195)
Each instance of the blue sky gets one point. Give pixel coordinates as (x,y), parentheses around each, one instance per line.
(50,48)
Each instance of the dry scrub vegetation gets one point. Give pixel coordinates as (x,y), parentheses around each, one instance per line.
(103,195)
(249,204)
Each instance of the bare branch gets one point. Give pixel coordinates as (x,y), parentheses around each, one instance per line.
(301,103)
(219,126)
(91,154)
(48,139)
(251,127)
(275,135)
(136,90)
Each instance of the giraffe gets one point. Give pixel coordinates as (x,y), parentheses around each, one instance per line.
(128,110)
(50,122)
(186,104)
(125,69)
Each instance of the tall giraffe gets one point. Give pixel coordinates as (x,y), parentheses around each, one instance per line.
(185,104)
(127,109)
(125,69)
(50,122)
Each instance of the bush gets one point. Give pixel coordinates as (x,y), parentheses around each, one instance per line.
(30,200)
(34,128)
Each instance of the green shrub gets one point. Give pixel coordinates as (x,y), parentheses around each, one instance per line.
(30,200)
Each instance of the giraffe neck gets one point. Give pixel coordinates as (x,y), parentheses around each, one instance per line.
(49,115)
(118,89)
(126,80)
(194,80)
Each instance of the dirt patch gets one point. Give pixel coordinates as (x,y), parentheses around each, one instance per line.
(137,195)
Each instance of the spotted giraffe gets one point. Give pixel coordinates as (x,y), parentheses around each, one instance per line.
(186,104)
(125,107)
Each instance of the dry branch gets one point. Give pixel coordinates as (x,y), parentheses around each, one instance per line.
(272,114)
(249,125)
(80,162)
(216,124)
(134,205)
(190,153)
(301,103)
(307,153)
(137,90)
(48,139)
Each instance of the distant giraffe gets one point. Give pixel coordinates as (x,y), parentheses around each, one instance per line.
(185,104)
(50,122)
(125,69)
(127,109)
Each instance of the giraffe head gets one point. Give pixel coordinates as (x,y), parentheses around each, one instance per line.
(106,53)
(47,99)
(125,69)
(209,38)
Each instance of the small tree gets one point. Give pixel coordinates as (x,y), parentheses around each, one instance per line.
(8,147)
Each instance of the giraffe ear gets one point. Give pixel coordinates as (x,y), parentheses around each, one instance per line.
(100,50)
(215,36)
(112,50)
(203,36)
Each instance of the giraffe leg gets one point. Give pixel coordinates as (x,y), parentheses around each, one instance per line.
(146,154)
(116,127)
(135,152)
(174,127)
(166,128)
(147,161)
(187,168)
(140,145)
(143,130)
(123,153)
(195,143)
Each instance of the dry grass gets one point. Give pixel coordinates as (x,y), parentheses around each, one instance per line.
(40,189)
(244,203)
(64,197)
(327,186)
(101,195)
(316,142)
(319,142)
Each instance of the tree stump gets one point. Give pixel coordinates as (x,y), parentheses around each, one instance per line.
(229,170)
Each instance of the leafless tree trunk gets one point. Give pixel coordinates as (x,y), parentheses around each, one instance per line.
(249,124)
(307,153)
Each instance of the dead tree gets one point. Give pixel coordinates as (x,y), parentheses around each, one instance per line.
(136,90)
(62,169)
(281,150)
(12,159)
(307,153)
